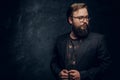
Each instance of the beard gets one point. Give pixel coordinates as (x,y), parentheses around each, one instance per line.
(79,32)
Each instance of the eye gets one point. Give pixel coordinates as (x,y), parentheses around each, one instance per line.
(80,17)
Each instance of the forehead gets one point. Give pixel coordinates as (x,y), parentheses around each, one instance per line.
(80,12)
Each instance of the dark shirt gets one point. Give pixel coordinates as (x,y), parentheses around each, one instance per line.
(72,52)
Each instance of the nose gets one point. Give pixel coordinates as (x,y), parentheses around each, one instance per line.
(84,22)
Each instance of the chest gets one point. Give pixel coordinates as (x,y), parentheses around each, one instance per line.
(85,49)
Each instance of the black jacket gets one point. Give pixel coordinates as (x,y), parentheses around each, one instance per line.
(93,58)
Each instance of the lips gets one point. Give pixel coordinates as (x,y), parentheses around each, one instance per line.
(84,26)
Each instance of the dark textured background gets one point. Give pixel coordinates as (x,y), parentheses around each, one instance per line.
(28,29)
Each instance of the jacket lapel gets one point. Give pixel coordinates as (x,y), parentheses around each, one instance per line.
(64,47)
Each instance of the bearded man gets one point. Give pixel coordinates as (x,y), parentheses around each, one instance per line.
(80,54)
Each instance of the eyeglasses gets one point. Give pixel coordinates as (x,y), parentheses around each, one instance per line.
(81,18)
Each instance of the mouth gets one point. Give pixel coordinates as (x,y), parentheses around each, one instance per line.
(83,27)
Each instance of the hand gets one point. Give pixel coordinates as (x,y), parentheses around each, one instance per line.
(63,74)
(75,75)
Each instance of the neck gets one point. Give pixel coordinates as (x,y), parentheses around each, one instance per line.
(72,35)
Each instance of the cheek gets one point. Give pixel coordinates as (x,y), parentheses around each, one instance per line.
(76,22)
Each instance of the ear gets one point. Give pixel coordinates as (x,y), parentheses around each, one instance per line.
(70,20)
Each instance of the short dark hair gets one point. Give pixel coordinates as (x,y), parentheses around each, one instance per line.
(74,7)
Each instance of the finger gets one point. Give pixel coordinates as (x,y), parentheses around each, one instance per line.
(72,74)
(74,78)
(64,76)
(72,71)
(65,71)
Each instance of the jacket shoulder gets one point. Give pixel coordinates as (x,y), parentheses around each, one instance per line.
(95,35)
(63,37)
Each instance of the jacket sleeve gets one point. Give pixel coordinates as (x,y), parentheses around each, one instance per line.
(54,65)
(103,61)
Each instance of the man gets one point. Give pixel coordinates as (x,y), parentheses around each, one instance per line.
(80,54)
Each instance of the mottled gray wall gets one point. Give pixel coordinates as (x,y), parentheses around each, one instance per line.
(30,29)
(38,24)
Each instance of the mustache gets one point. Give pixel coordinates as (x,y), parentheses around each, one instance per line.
(82,27)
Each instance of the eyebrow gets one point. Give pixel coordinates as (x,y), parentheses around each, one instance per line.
(81,16)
